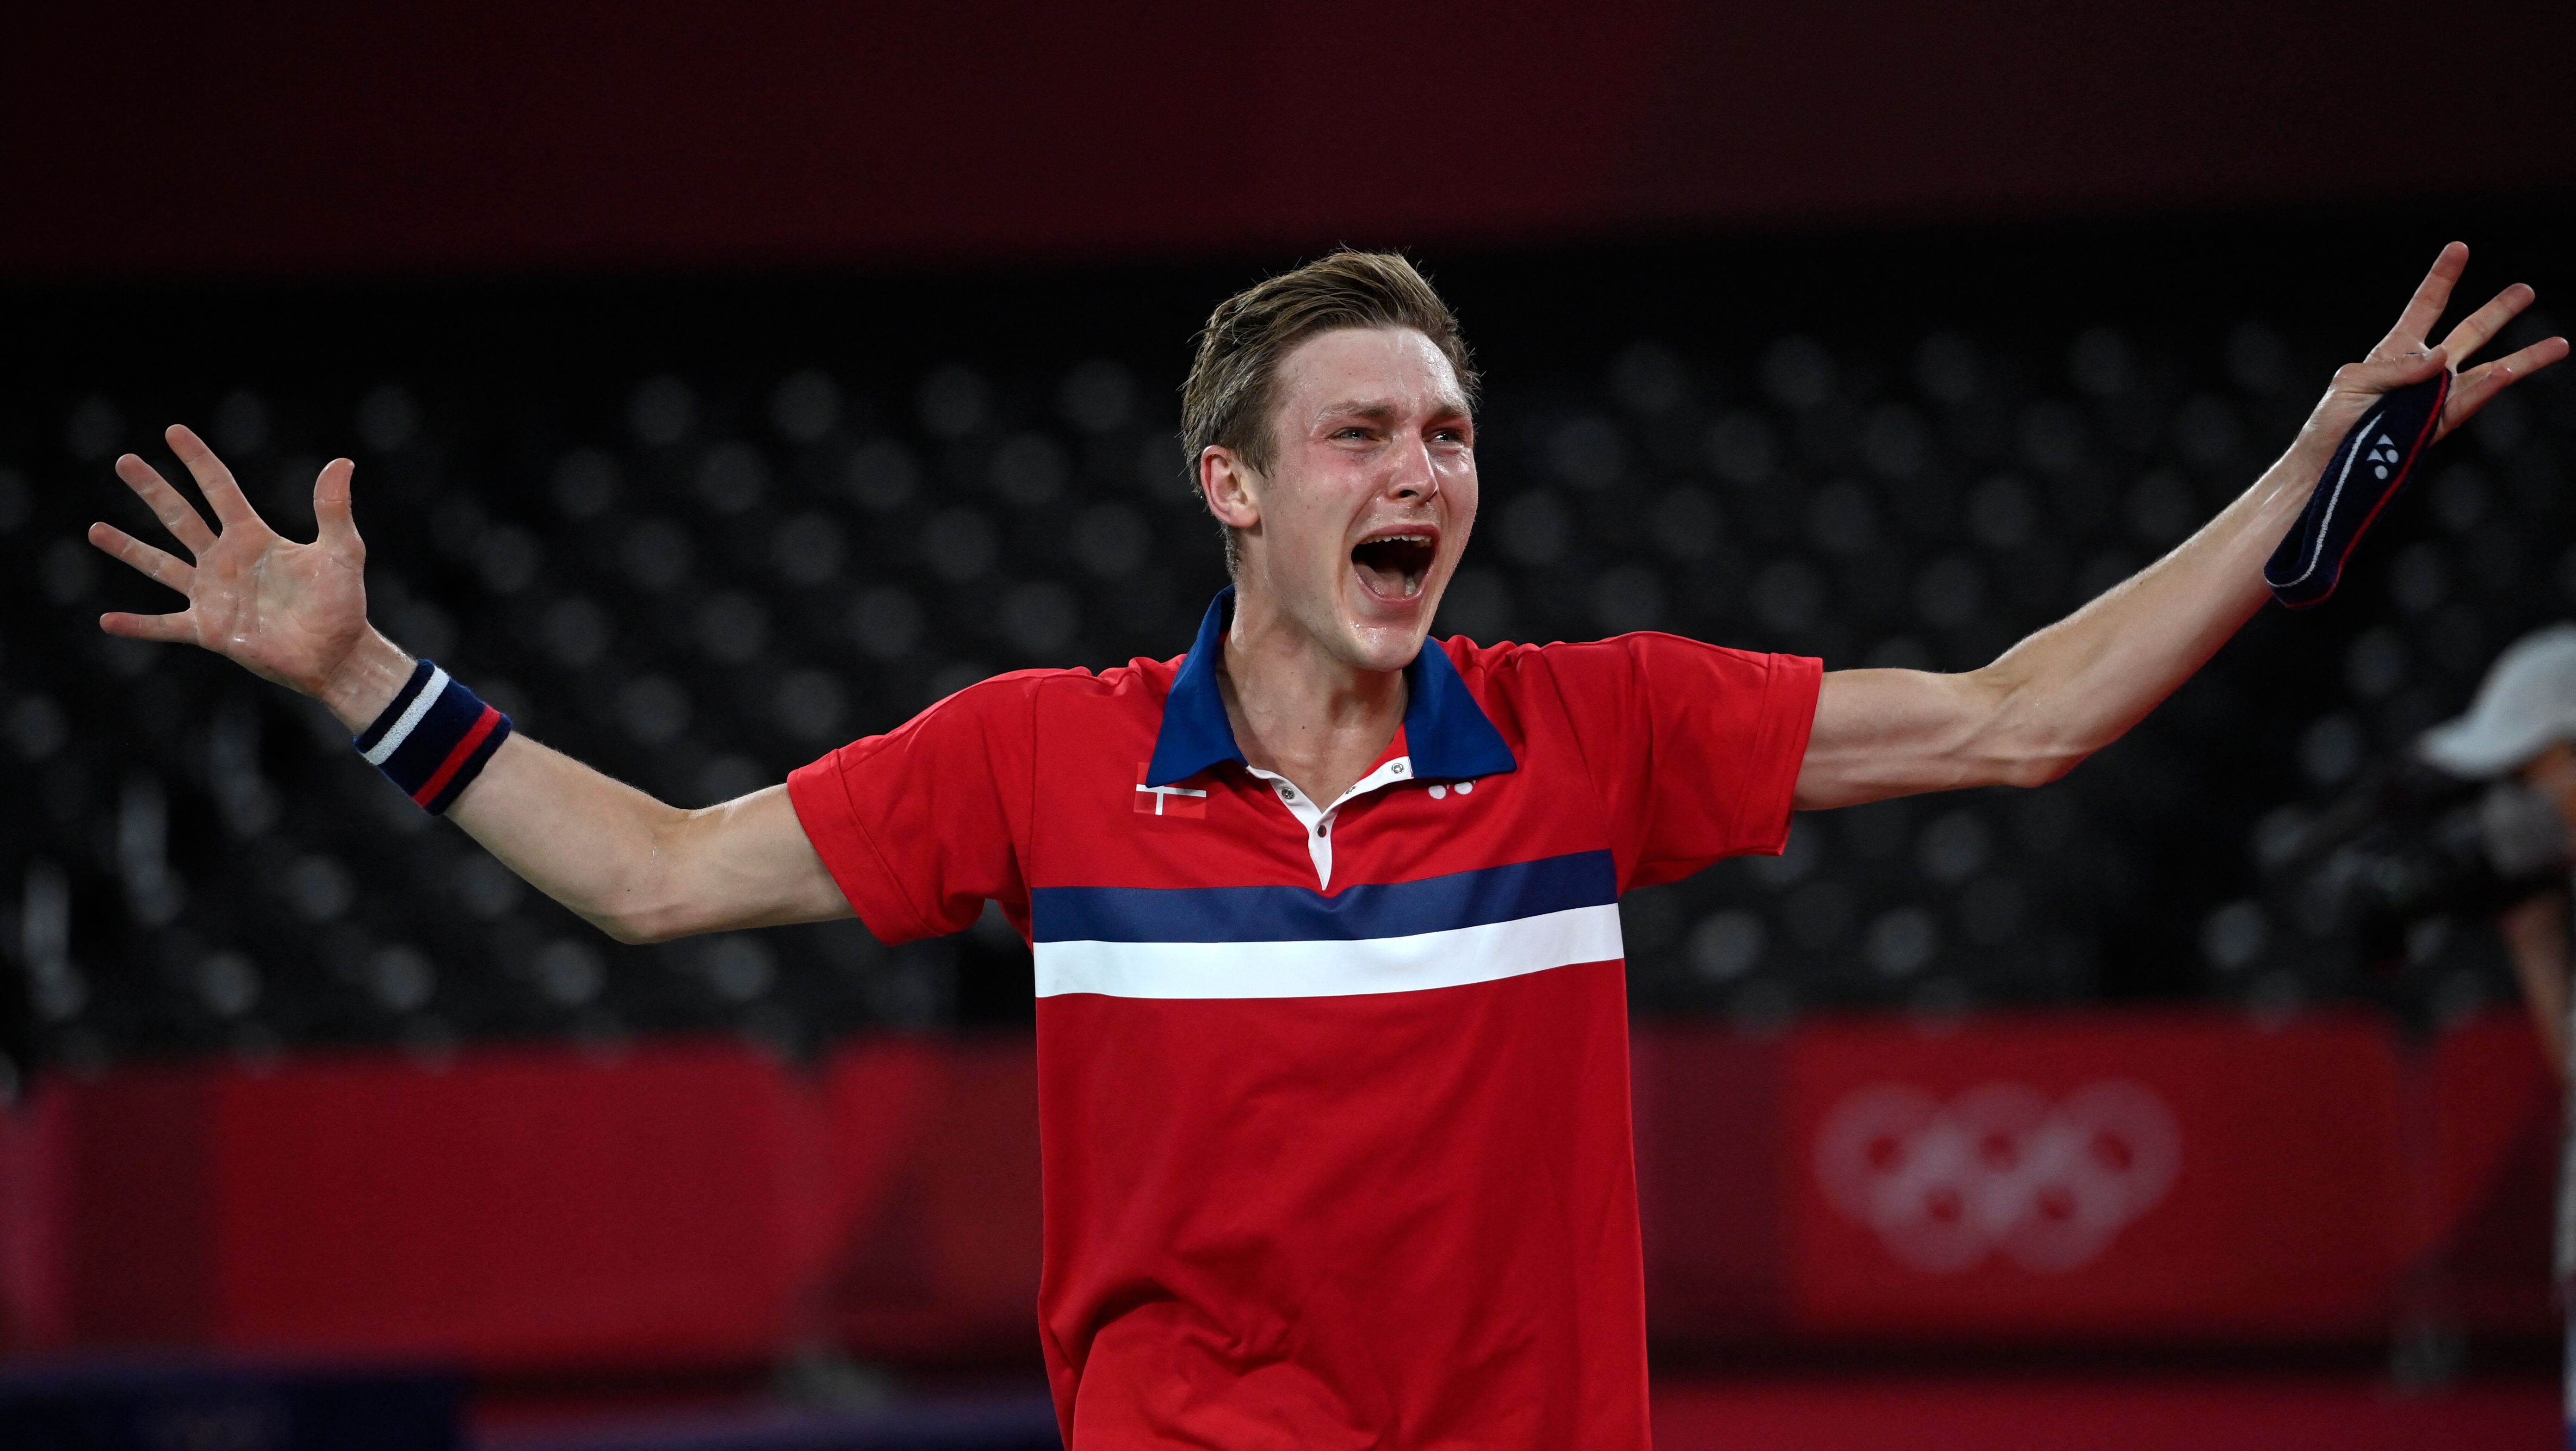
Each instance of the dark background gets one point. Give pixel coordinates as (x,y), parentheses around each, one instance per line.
(517,217)
(726,382)
(290,139)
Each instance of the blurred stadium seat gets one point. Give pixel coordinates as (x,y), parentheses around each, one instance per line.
(698,580)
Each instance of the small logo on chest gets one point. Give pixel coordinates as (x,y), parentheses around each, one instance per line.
(1168,800)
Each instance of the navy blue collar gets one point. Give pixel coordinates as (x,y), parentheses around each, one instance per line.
(1448,735)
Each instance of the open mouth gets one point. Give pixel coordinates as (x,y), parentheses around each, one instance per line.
(1395,565)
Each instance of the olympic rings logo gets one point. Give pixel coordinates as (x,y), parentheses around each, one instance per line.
(1997,1168)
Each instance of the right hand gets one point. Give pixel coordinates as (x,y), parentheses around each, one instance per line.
(288,612)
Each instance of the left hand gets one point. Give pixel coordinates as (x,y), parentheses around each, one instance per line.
(2402,358)
(289,612)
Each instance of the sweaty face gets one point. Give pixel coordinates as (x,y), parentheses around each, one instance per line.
(1369,496)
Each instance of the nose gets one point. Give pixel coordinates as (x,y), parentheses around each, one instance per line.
(1410,477)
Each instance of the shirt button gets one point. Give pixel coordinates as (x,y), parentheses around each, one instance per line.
(1465,787)
(1319,828)
(1438,791)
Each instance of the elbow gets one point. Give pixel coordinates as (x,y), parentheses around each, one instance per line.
(2041,767)
(630,931)
(2042,771)
(642,926)
(2017,745)
(645,904)
(639,916)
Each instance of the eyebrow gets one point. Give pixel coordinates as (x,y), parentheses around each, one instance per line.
(1379,411)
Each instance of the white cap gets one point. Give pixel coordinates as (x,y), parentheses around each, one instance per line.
(2526,704)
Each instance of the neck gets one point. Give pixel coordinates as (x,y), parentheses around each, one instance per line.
(1297,709)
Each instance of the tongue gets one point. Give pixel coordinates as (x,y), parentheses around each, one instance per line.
(1383,580)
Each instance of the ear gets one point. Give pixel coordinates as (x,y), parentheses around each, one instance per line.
(1230,486)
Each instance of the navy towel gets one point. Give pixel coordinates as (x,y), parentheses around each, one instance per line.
(2368,468)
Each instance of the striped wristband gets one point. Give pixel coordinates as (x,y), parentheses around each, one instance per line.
(434,738)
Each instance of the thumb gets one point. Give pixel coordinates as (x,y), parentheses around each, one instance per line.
(331,511)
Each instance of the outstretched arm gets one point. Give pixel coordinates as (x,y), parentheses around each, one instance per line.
(297,614)
(2078,685)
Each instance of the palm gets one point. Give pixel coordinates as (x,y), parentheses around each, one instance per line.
(287,611)
(2405,357)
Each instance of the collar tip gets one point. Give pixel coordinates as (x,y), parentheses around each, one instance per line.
(1171,771)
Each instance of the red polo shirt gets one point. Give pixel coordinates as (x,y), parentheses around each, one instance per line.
(1333,1096)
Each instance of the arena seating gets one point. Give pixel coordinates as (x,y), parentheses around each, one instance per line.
(699,580)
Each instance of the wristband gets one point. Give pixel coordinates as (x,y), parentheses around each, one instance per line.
(433,740)
(2367,469)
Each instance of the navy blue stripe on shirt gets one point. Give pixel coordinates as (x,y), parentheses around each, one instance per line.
(1302,914)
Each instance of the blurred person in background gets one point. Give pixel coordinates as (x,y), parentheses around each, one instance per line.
(2522,726)
(1332,1027)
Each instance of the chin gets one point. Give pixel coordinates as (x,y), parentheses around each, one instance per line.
(1382,633)
(1383,646)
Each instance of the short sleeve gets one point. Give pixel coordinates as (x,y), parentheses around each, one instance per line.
(1693,748)
(922,824)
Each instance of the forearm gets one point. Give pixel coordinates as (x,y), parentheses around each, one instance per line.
(591,842)
(2075,687)
(637,868)
(2065,692)
(643,871)
(2080,684)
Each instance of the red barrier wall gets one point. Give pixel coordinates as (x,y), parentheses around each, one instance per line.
(2113,1179)
(2210,1182)
(522,1208)
(519,1208)
(939,1260)
(2480,1254)
(1710,1160)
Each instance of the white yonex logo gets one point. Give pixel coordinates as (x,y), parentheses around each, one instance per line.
(1999,1167)
(2383,456)
(1162,794)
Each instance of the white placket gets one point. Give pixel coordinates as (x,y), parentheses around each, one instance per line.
(1318,821)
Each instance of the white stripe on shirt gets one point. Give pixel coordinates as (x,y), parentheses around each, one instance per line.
(1334,968)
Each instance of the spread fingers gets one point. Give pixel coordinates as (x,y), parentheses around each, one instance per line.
(216,481)
(2478,385)
(159,565)
(149,627)
(175,513)
(2431,295)
(2474,330)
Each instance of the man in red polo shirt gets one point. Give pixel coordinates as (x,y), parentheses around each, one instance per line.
(1332,1036)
